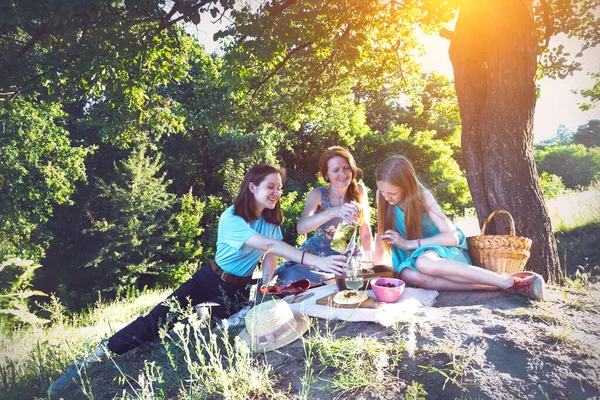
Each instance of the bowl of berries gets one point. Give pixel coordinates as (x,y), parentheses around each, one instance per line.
(387,290)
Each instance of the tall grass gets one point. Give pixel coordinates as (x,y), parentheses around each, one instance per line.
(575,209)
(356,365)
(32,356)
(216,364)
(194,361)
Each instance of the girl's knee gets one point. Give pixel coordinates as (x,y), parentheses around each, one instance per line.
(427,260)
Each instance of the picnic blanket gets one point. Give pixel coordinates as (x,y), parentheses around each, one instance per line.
(411,300)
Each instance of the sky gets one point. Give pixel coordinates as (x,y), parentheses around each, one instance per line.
(556,106)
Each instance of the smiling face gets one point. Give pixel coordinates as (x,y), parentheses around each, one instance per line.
(339,172)
(391,193)
(267,193)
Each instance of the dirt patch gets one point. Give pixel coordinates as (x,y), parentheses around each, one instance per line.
(477,345)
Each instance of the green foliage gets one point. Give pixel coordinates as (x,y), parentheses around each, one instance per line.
(591,94)
(552,185)
(575,164)
(212,212)
(233,175)
(140,222)
(588,134)
(292,208)
(415,391)
(186,247)
(106,59)
(15,291)
(188,219)
(434,108)
(215,364)
(432,159)
(322,49)
(38,170)
(36,355)
(573,19)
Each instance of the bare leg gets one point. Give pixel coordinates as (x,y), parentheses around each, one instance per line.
(439,283)
(432,264)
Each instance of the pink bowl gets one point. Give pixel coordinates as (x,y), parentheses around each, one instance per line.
(387,294)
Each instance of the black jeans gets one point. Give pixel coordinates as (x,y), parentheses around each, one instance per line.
(204,286)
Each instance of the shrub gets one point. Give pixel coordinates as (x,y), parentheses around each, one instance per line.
(15,291)
(552,185)
(574,163)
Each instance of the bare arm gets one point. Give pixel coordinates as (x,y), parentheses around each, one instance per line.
(379,254)
(311,220)
(366,236)
(448,235)
(268,266)
(333,264)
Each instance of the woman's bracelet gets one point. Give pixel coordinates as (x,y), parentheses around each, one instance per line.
(302,259)
(418,242)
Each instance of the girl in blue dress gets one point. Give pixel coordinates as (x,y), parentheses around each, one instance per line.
(326,206)
(427,249)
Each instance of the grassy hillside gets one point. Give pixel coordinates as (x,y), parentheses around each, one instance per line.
(195,362)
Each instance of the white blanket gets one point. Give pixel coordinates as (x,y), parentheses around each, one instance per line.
(411,300)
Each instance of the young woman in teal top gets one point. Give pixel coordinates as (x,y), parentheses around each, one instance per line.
(248,231)
(427,249)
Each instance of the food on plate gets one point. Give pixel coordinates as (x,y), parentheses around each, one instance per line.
(273,289)
(350,297)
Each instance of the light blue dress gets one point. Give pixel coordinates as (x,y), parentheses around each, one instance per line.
(405,259)
(318,244)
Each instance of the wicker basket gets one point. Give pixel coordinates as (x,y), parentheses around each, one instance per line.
(499,253)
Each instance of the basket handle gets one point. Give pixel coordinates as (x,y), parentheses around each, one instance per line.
(492,215)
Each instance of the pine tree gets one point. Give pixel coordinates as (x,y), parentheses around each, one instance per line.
(140,224)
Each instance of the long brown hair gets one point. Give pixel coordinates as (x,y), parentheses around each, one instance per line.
(398,171)
(352,193)
(244,205)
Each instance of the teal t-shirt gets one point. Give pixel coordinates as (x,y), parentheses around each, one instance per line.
(233,256)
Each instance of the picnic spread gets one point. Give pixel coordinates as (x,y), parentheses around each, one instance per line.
(383,313)
(318,302)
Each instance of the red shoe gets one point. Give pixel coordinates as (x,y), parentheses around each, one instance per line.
(538,284)
(525,287)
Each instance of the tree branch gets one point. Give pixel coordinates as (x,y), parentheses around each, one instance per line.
(278,9)
(546,13)
(447,34)
(328,60)
(41,32)
(279,66)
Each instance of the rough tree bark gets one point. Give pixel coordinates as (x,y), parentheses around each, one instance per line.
(494,52)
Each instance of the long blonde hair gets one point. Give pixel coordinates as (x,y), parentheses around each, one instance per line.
(352,193)
(398,171)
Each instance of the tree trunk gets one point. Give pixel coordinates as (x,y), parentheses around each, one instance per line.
(493,53)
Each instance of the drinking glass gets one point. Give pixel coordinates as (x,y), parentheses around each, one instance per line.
(366,262)
(353,276)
